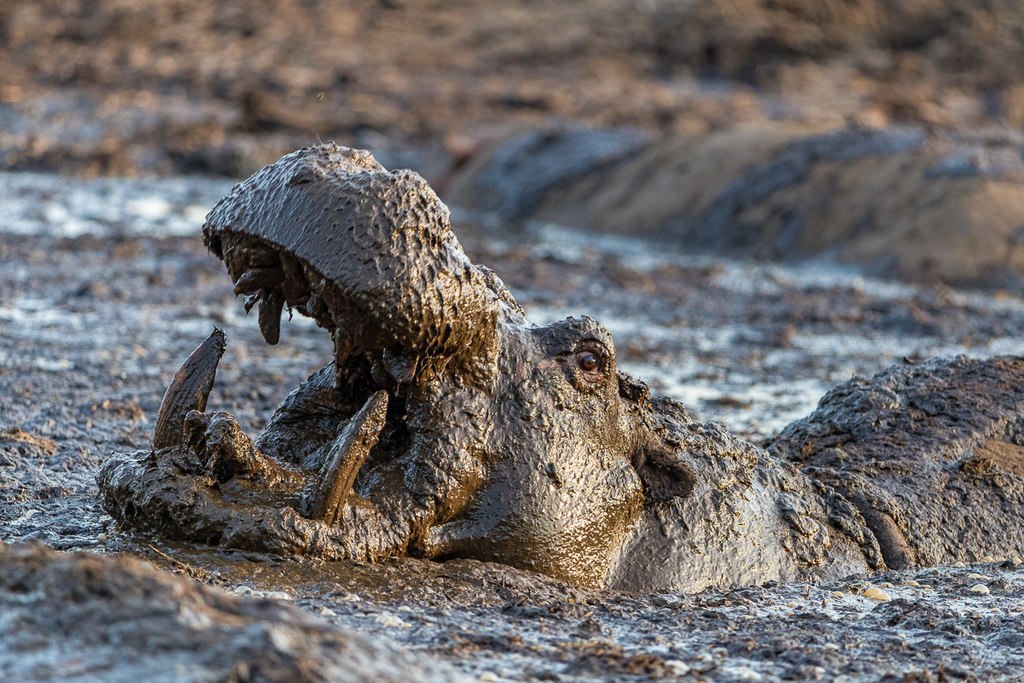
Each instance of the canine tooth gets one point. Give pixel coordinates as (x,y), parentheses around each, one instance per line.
(250,301)
(347,455)
(188,391)
(271,306)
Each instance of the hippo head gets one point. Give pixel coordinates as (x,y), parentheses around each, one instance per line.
(446,424)
(545,452)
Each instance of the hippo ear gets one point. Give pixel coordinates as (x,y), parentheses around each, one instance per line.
(663,474)
(369,253)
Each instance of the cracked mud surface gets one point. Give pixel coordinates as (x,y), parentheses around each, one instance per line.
(93,327)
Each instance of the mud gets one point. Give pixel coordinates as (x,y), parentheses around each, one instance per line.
(84,365)
(905,60)
(85,617)
(732,98)
(185,86)
(496,623)
(898,202)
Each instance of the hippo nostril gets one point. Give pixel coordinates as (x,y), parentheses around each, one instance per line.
(664,475)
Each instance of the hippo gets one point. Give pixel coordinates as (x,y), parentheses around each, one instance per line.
(448,426)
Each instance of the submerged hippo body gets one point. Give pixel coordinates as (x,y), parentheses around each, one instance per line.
(449,426)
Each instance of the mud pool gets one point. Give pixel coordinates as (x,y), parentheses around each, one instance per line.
(105,287)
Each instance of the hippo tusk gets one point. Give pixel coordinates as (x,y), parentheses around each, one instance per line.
(188,391)
(347,455)
(271,306)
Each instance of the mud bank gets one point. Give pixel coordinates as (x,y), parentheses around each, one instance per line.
(898,202)
(94,326)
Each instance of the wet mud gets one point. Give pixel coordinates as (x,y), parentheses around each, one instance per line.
(491,622)
(94,328)
(82,616)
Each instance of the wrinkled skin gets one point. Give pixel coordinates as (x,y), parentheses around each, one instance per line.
(449,426)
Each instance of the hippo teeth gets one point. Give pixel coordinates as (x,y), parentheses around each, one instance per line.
(258,277)
(347,455)
(188,391)
(251,300)
(271,306)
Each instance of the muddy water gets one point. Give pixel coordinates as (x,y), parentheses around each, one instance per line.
(105,288)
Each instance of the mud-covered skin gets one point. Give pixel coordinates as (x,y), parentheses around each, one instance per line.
(333,234)
(472,432)
(925,462)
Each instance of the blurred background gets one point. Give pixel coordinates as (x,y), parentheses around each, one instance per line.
(884,133)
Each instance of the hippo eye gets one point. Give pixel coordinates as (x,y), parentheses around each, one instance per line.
(590,364)
(587,365)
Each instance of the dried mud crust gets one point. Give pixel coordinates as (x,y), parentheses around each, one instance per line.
(161,85)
